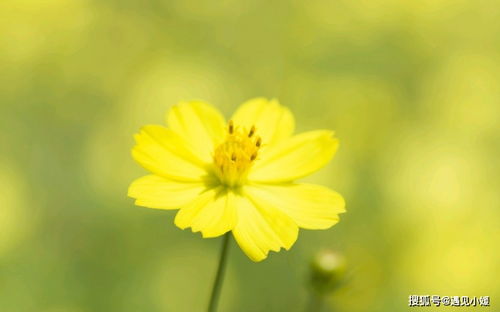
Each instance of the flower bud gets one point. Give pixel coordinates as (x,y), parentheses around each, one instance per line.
(327,271)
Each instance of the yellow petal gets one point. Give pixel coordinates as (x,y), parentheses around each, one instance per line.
(310,206)
(294,158)
(213,213)
(200,124)
(261,228)
(162,152)
(157,192)
(272,121)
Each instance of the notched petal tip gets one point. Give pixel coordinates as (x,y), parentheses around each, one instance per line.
(310,206)
(180,222)
(327,135)
(206,234)
(262,228)
(342,203)
(259,258)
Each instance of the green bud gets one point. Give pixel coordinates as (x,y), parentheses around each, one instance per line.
(328,270)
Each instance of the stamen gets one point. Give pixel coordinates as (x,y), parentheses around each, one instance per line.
(234,157)
(252,131)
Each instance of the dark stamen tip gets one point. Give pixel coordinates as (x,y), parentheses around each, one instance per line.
(252,131)
(259,142)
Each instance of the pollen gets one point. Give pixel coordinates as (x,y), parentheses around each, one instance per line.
(235,156)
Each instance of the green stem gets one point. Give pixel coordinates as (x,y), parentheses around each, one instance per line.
(315,303)
(212,306)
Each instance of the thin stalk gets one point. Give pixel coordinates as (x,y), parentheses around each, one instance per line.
(219,278)
(315,303)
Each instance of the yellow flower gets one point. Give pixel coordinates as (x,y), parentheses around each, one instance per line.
(237,176)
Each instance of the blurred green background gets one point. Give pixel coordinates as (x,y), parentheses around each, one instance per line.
(412,89)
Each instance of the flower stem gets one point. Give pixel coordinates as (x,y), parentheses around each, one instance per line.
(212,306)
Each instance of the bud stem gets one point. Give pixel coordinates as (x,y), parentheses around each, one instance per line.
(315,302)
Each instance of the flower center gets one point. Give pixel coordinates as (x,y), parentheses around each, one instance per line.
(234,157)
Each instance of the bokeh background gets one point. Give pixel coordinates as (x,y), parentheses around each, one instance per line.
(411,88)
